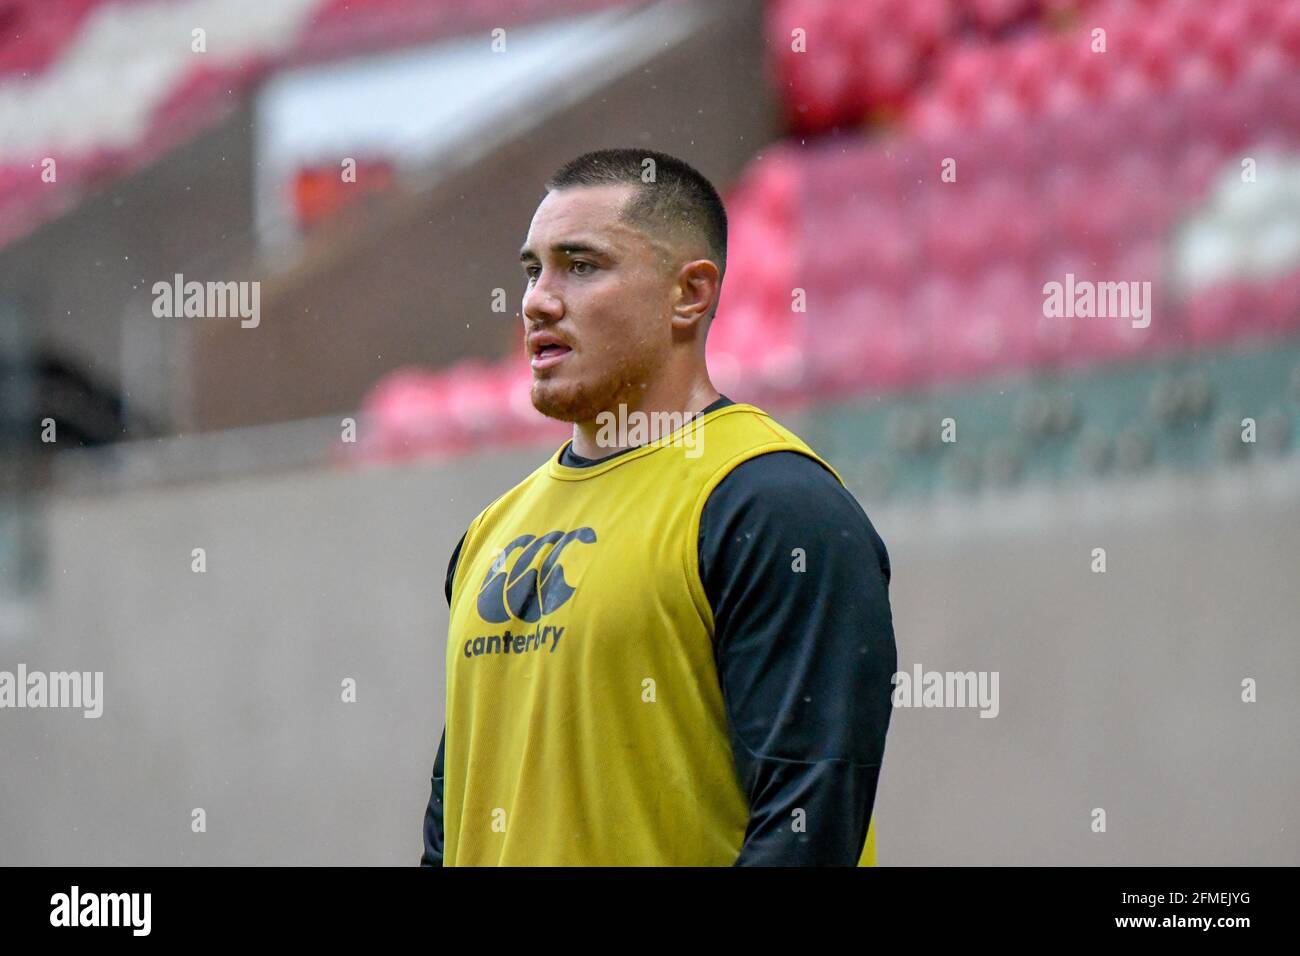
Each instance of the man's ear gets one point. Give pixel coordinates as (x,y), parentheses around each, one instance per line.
(698,286)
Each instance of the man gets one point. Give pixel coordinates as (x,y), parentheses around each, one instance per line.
(673,653)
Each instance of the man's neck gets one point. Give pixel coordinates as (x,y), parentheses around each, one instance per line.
(595,439)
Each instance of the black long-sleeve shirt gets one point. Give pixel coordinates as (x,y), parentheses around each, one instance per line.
(804,657)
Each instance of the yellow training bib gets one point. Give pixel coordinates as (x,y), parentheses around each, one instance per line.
(585,722)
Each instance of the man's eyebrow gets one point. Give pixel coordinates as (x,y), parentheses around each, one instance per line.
(564,248)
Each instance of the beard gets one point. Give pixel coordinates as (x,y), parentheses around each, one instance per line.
(570,400)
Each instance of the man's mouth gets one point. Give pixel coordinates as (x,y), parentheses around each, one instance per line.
(549,354)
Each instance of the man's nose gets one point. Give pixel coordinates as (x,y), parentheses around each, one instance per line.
(541,304)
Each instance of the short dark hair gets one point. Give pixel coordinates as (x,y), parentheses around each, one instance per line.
(679,194)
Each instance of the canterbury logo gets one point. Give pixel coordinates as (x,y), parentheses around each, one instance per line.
(527,592)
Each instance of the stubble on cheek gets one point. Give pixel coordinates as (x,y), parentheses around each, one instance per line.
(582,396)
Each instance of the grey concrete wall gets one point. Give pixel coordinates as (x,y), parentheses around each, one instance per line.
(1119,691)
(222,689)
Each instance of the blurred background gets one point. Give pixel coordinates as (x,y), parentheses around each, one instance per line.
(903,178)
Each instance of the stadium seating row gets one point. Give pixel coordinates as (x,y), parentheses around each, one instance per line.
(839,64)
(106,86)
(856,264)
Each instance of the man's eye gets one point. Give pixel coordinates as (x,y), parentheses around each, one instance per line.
(580,262)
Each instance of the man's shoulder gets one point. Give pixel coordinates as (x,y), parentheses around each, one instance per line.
(782,471)
(737,433)
(794,490)
(784,481)
(520,487)
(468,540)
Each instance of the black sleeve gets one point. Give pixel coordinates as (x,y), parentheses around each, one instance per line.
(433,846)
(451,567)
(804,657)
(433,831)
